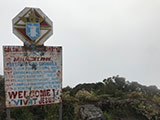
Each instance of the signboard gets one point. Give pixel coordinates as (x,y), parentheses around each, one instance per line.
(32,26)
(32,77)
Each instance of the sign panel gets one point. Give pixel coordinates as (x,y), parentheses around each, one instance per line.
(32,77)
(32,26)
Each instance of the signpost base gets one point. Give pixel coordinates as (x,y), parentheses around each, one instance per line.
(8,114)
(60,111)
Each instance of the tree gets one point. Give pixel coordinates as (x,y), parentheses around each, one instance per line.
(84,95)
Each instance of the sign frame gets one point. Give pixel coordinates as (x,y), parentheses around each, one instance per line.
(13,51)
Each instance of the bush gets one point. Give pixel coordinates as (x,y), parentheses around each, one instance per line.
(85,96)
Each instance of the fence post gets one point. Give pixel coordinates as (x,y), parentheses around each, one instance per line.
(8,114)
(60,111)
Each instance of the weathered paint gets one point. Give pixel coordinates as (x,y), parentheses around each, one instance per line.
(32,77)
(36,17)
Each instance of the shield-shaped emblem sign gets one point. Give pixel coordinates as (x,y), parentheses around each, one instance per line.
(32,26)
(33,30)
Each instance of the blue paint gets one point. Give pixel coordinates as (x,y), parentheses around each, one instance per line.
(56,67)
(55,78)
(57,82)
(15,89)
(33,30)
(48,63)
(16,101)
(20,84)
(44,77)
(38,87)
(24,88)
(51,71)
(51,75)
(30,102)
(15,73)
(17,64)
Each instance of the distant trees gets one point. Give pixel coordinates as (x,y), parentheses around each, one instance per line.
(87,86)
(114,86)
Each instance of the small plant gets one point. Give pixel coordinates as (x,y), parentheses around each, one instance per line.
(107,115)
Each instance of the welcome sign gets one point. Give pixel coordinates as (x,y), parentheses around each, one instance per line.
(32,77)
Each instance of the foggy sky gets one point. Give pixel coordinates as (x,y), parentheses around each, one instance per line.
(100,38)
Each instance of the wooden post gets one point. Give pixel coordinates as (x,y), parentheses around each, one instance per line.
(8,114)
(60,111)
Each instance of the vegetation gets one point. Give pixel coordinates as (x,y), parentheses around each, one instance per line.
(118,99)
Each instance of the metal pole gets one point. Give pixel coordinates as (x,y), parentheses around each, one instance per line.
(60,111)
(8,114)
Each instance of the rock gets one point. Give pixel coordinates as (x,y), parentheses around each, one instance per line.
(91,112)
